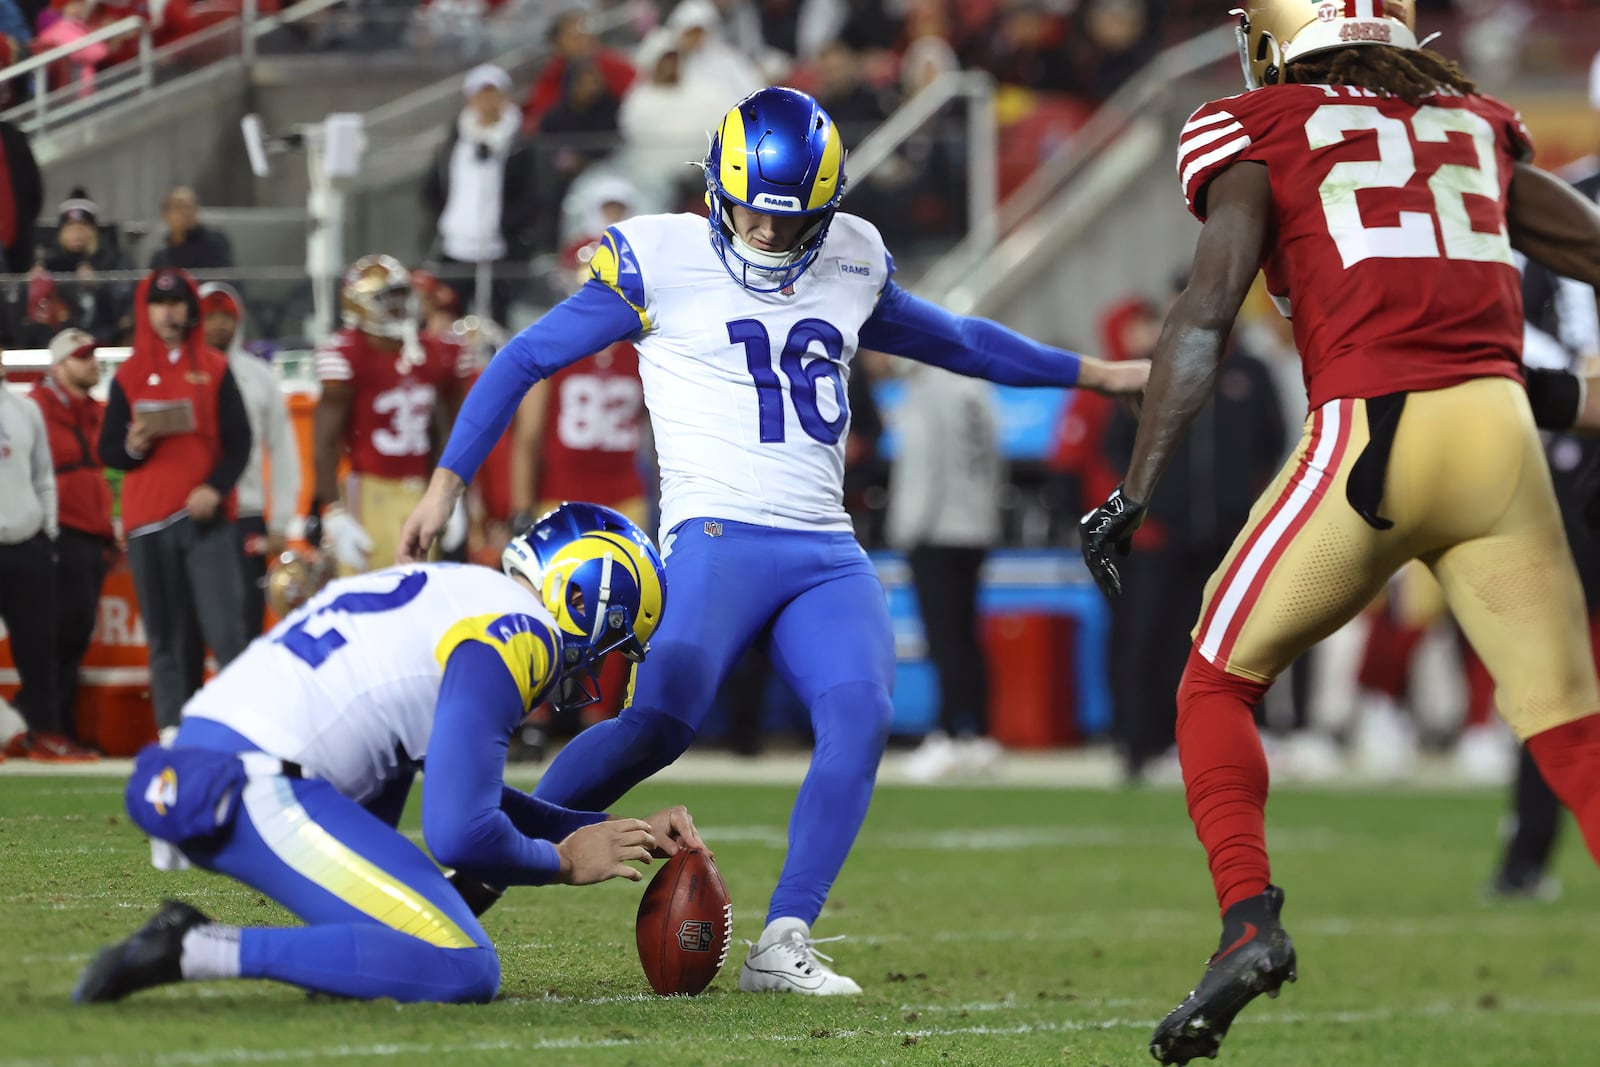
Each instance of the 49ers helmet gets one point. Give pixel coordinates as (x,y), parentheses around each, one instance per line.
(295,579)
(376,297)
(1274,33)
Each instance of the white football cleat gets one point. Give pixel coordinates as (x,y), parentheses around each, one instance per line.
(1385,743)
(786,960)
(979,755)
(1486,755)
(934,759)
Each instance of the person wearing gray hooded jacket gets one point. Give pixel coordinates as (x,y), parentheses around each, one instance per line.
(944,513)
(263,529)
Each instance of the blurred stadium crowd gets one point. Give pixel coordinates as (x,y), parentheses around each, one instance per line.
(521,187)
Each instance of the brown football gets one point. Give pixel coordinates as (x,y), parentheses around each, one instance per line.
(684,926)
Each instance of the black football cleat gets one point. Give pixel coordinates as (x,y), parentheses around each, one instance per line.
(1255,956)
(152,956)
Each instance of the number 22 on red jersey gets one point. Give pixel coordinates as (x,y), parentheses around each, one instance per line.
(1389,240)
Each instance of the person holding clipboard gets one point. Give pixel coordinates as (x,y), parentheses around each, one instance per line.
(176,423)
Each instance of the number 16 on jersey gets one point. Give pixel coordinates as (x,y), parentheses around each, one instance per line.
(804,378)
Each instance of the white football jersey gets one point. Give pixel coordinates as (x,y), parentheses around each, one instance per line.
(346,685)
(746,391)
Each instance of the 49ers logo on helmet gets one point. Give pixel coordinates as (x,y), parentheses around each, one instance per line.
(1378,32)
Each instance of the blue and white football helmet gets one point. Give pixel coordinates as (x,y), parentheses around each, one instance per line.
(776,152)
(602,579)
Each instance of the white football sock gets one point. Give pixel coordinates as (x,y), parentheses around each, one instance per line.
(210,951)
(779,928)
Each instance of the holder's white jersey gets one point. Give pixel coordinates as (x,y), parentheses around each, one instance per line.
(746,391)
(346,685)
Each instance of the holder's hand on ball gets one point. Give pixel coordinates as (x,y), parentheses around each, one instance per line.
(602,851)
(674,829)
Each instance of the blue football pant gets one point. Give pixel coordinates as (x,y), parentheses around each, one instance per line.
(381,919)
(830,638)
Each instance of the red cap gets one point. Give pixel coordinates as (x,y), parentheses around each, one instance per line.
(219,300)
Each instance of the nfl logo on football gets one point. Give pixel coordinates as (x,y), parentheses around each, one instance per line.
(695,935)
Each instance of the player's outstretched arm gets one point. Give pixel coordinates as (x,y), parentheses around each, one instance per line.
(586,322)
(470,820)
(908,326)
(1184,368)
(1552,223)
(1226,260)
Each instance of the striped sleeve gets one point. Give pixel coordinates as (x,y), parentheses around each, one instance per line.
(1211,141)
(1508,121)
(616,265)
(333,362)
(526,646)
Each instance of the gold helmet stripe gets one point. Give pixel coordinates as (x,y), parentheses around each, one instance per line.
(827,180)
(732,175)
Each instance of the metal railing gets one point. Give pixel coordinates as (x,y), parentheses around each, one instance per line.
(135,77)
(950,278)
(983,143)
(39,66)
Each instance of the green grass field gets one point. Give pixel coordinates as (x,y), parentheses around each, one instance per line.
(988,926)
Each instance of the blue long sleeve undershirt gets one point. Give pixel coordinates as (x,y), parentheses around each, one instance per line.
(596,316)
(906,325)
(590,320)
(471,820)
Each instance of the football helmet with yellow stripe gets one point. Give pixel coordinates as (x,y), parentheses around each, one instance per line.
(601,577)
(1274,33)
(776,152)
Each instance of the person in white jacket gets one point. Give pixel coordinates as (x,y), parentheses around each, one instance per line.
(663,120)
(28,528)
(263,524)
(944,514)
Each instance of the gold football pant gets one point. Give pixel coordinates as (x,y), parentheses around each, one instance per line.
(381,506)
(1469,494)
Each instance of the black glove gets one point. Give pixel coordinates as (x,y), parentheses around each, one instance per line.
(1111,525)
(313,530)
(478,896)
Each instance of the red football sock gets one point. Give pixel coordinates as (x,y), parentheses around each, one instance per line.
(1225,776)
(1569,758)
(1386,660)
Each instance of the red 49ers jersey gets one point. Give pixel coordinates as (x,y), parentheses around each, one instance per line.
(1389,241)
(391,414)
(591,430)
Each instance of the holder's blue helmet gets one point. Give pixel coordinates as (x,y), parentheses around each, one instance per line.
(776,152)
(601,577)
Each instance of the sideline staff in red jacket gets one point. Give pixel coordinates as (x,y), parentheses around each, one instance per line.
(86,543)
(176,423)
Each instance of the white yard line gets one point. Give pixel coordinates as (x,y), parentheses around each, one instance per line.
(198,1058)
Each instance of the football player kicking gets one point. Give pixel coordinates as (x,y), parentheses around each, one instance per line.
(292,767)
(745,336)
(1384,196)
